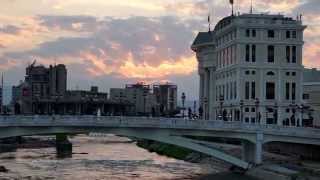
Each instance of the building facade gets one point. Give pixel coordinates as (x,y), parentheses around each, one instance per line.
(311,93)
(250,69)
(138,94)
(44,91)
(166,97)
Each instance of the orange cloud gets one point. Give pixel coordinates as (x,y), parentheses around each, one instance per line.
(128,69)
(312,54)
(183,66)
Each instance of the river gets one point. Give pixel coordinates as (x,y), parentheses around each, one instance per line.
(104,157)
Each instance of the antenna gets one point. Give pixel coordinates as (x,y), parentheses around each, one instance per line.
(251,8)
(231,2)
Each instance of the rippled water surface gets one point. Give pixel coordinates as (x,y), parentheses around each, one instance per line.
(108,157)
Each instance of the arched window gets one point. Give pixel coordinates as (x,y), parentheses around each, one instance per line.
(270,73)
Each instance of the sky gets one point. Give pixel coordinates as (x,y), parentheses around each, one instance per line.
(110,43)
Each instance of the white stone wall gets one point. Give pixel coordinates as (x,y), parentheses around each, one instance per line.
(227,65)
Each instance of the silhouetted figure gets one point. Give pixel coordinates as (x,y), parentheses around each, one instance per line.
(153,112)
(200,112)
(224,115)
(189,113)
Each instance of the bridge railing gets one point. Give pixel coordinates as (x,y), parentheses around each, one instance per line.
(159,122)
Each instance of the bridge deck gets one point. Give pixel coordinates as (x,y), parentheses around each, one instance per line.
(148,122)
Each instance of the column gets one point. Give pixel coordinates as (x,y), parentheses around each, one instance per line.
(205,94)
(262,106)
(212,92)
(63,146)
(252,152)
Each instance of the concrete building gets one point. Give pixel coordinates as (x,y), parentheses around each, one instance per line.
(166,97)
(44,91)
(311,93)
(250,69)
(40,83)
(138,94)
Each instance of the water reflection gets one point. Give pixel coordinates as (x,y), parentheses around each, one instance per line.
(107,158)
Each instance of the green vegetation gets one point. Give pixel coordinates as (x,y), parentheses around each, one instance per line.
(165,149)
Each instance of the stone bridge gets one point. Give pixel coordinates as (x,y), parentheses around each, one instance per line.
(167,130)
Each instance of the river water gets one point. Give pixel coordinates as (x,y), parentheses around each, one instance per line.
(104,157)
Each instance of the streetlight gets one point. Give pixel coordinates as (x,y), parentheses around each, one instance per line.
(221,99)
(183,98)
(144,101)
(257,102)
(241,110)
(275,113)
(293,107)
(205,101)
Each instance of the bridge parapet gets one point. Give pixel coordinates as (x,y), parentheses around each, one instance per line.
(148,122)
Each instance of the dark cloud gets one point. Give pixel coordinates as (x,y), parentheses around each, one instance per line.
(71,23)
(10,29)
(309,7)
(150,40)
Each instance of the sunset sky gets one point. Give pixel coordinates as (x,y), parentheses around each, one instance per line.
(113,42)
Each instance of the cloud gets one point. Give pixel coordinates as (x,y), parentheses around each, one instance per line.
(69,23)
(137,47)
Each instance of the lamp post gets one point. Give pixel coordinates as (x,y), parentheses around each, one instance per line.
(275,113)
(241,110)
(257,102)
(293,107)
(221,99)
(205,101)
(183,98)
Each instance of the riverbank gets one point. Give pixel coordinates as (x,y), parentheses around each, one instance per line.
(276,167)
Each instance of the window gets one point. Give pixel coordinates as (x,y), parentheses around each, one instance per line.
(231,90)
(288,54)
(287,110)
(235,90)
(294,34)
(247,87)
(253,55)
(287,34)
(254,33)
(293,91)
(253,109)
(227,89)
(247,53)
(271,33)
(287,73)
(287,91)
(270,73)
(253,90)
(305,96)
(293,73)
(270,54)
(270,90)
(248,33)
(247,119)
(253,72)
(294,52)
(253,120)
(247,109)
(247,72)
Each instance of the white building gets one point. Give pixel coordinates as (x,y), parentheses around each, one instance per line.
(138,94)
(250,69)
(311,93)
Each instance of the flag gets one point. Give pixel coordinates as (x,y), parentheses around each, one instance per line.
(231,1)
